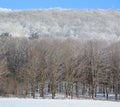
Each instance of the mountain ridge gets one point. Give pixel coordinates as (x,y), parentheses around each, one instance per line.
(58,22)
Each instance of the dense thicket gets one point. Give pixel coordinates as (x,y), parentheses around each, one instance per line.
(66,66)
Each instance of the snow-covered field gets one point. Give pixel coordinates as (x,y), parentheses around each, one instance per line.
(14,102)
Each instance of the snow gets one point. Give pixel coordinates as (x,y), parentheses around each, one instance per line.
(16,102)
(5,10)
(58,22)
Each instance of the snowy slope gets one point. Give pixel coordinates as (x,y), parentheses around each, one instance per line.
(55,103)
(101,24)
(5,10)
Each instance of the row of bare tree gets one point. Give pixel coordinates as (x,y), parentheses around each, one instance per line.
(65,66)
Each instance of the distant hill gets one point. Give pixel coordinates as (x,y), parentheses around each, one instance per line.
(57,22)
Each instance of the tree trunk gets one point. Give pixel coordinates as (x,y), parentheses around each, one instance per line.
(107,92)
(33,88)
(93,89)
(26,89)
(116,91)
(77,90)
(53,86)
(89,90)
(42,85)
(72,85)
(83,89)
(66,89)
(15,85)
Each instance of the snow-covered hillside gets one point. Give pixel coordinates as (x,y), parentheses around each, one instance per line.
(55,103)
(61,23)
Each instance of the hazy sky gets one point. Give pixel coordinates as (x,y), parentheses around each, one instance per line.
(77,4)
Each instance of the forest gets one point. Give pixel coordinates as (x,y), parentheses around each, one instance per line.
(68,66)
(59,22)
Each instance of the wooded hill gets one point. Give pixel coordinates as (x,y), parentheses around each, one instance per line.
(57,22)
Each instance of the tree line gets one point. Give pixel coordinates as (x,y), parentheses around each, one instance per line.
(71,67)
